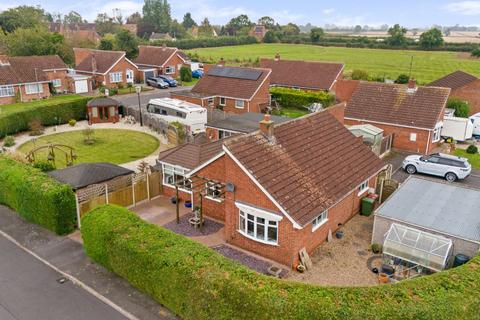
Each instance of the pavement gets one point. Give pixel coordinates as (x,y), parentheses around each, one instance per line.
(132,99)
(29,289)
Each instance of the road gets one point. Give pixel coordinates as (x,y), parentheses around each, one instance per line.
(473,181)
(30,290)
(132,99)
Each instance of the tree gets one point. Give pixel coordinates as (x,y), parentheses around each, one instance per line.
(158,14)
(134,18)
(290,29)
(431,39)
(316,34)
(402,79)
(266,21)
(476,53)
(238,23)
(126,41)
(359,75)
(357,29)
(270,37)
(397,35)
(106,44)
(105,24)
(25,17)
(188,21)
(177,30)
(72,17)
(186,74)
(205,29)
(461,107)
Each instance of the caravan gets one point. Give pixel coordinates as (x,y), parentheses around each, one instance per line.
(475,120)
(193,116)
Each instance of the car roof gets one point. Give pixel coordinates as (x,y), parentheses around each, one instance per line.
(448,156)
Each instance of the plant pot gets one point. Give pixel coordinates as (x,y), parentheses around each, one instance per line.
(339,234)
(173,200)
(188,204)
(382,277)
(301,268)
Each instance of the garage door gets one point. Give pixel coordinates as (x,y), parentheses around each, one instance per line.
(81,86)
(149,74)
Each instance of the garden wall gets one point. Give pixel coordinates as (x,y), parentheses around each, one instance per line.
(197,283)
(37,197)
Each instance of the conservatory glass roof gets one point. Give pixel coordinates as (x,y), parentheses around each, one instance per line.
(426,249)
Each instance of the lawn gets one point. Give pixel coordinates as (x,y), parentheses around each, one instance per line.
(111,145)
(128,90)
(16,107)
(427,65)
(474,159)
(290,112)
(189,83)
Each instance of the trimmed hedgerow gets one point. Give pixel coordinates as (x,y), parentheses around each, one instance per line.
(54,113)
(197,283)
(291,98)
(37,197)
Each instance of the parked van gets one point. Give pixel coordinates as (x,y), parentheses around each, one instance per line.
(459,129)
(193,116)
(475,120)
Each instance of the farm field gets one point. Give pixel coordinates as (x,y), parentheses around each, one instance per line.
(427,65)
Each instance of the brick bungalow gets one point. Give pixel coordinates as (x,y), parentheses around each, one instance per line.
(464,86)
(232,89)
(281,188)
(154,60)
(412,114)
(305,75)
(107,68)
(30,78)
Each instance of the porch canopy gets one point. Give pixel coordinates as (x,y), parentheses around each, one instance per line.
(422,248)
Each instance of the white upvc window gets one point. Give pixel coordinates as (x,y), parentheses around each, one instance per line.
(257,224)
(170,70)
(413,137)
(363,187)
(213,191)
(436,134)
(240,104)
(320,220)
(174,175)
(33,88)
(224,134)
(7,91)
(223,101)
(57,83)
(210,101)
(116,77)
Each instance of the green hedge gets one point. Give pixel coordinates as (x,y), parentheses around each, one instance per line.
(197,283)
(291,98)
(207,42)
(37,197)
(59,111)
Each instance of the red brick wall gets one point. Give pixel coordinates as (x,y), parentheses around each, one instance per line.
(338,111)
(401,137)
(261,98)
(471,94)
(59,74)
(170,192)
(121,66)
(173,61)
(212,134)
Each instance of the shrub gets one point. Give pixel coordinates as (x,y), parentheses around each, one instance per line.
(181,131)
(472,149)
(197,283)
(185,74)
(72,122)
(37,197)
(402,79)
(102,89)
(112,91)
(9,141)
(48,113)
(44,165)
(35,126)
(291,98)
(207,42)
(120,85)
(461,107)
(476,52)
(376,247)
(88,135)
(360,75)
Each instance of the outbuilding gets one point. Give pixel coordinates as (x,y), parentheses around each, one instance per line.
(103,110)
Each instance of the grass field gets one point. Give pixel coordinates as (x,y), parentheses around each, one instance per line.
(111,145)
(474,159)
(427,65)
(16,107)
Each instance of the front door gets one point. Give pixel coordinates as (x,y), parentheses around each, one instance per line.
(129,74)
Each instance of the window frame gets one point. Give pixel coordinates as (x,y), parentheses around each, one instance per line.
(28,87)
(57,83)
(224,101)
(7,91)
(320,220)
(248,214)
(436,134)
(114,75)
(363,187)
(172,171)
(168,69)
(212,187)
(236,104)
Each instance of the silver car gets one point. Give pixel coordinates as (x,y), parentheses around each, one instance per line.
(438,164)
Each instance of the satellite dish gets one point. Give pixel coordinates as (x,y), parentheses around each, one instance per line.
(230,187)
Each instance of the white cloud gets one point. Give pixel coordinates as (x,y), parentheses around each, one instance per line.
(127,7)
(467,8)
(328,11)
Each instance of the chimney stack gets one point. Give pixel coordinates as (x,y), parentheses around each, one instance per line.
(266,127)
(412,86)
(94,63)
(221,62)
(277,57)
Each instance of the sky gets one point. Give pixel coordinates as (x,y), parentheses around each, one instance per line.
(410,13)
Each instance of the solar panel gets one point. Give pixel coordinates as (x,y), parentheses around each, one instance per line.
(236,73)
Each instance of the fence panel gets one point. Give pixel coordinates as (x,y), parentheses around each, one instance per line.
(154,183)
(122,197)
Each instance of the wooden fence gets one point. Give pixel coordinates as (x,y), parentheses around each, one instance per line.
(126,191)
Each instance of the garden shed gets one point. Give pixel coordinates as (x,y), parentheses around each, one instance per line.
(103,109)
(424,217)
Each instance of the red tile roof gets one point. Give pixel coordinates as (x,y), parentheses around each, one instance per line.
(454,80)
(190,155)
(394,104)
(211,85)
(14,70)
(313,163)
(303,74)
(155,55)
(104,59)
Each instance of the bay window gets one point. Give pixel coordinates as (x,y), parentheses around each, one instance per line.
(174,175)
(258,224)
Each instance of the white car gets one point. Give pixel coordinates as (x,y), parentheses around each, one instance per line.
(438,164)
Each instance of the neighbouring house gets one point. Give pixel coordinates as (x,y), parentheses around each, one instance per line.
(194,32)
(106,68)
(464,86)
(76,31)
(157,36)
(30,78)
(279,189)
(305,75)
(258,31)
(155,60)
(431,207)
(237,124)
(231,89)
(102,110)
(412,114)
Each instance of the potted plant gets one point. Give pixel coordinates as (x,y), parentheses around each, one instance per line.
(301,268)
(173,200)
(188,204)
